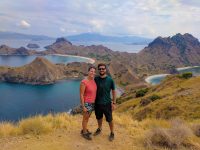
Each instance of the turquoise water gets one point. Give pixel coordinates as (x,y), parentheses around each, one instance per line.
(16,61)
(21,100)
(156,79)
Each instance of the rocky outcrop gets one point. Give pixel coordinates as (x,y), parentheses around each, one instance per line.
(42,71)
(164,54)
(6,50)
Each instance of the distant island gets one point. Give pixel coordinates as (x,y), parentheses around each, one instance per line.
(83,37)
(162,55)
(41,71)
(32,45)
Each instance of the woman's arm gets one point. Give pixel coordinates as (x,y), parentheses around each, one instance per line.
(82,90)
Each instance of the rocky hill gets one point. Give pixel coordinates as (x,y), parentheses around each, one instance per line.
(42,71)
(6,50)
(63,46)
(174,97)
(164,54)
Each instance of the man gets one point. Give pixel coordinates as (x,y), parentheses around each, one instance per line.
(103,103)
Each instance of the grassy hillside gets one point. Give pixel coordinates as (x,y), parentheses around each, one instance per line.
(61,132)
(174,97)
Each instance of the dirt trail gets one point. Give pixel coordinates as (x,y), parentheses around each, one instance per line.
(71,140)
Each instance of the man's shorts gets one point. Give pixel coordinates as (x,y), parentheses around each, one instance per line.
(89,106)
(105,109)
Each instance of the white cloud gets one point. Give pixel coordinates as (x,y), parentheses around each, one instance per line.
(97,25)
(62,29)
(24,24)
(115,17)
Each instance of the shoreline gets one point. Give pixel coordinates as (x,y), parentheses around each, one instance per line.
(189,67)
(149,78)
(92,61)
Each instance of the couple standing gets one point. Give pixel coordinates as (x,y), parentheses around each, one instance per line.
(95,95)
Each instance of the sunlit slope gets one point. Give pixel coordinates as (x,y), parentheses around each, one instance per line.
(175,97)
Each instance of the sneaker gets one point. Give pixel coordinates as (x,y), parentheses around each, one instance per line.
(87,131)
(111,137)
(97,132)
(86,136)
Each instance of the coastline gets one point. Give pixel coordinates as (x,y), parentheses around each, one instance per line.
(149,78)
(189,67)
(92,61)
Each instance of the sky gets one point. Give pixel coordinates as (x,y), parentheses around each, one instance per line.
(147,18)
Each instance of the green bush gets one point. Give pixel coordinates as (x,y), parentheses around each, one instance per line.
(148,100)
(141,92)
(154,97)
(186,75)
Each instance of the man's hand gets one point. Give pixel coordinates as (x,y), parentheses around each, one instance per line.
(113,106)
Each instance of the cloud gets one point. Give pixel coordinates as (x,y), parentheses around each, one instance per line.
(62,29)
(97,25)
(24,24)
(149,18)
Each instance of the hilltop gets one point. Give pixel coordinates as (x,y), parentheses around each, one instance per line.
(42,71)
(164,54)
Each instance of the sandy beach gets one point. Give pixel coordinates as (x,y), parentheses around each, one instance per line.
(148,79)
(92,61)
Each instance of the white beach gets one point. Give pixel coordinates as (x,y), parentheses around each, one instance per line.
(92,61)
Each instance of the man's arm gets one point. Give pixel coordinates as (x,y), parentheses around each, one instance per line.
(113,96)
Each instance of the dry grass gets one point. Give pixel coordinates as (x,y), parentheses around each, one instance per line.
(178,136)
(145,134)
(38,125)
(178,98)
(196,129)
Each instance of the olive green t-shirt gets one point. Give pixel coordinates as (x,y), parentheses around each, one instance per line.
(104,87)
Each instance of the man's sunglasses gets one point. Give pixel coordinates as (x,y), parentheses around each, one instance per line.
(101,68)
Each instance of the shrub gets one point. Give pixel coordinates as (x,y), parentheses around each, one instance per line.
(148,100)
(141,92)
(173,138)
(35,126)
(154,97)
(186,75)
(196,129)
(7,129)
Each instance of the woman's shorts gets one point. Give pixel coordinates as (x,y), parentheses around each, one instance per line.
(89,106)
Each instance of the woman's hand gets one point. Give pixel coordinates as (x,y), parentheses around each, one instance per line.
(84,109)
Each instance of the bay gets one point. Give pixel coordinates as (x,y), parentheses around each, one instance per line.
(21,100)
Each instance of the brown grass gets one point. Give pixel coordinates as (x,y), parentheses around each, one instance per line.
(38,125)
(178,136)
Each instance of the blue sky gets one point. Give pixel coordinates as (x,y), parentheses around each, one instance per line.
(149,18)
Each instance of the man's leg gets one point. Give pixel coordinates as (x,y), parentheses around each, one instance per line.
(109,119)
(99,117)
(100,121)
(111,125)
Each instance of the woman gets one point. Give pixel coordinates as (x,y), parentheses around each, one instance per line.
(88,90)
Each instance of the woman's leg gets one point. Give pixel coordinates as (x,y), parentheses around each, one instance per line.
(86,117)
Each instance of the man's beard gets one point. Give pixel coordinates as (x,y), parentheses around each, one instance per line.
(102,73)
